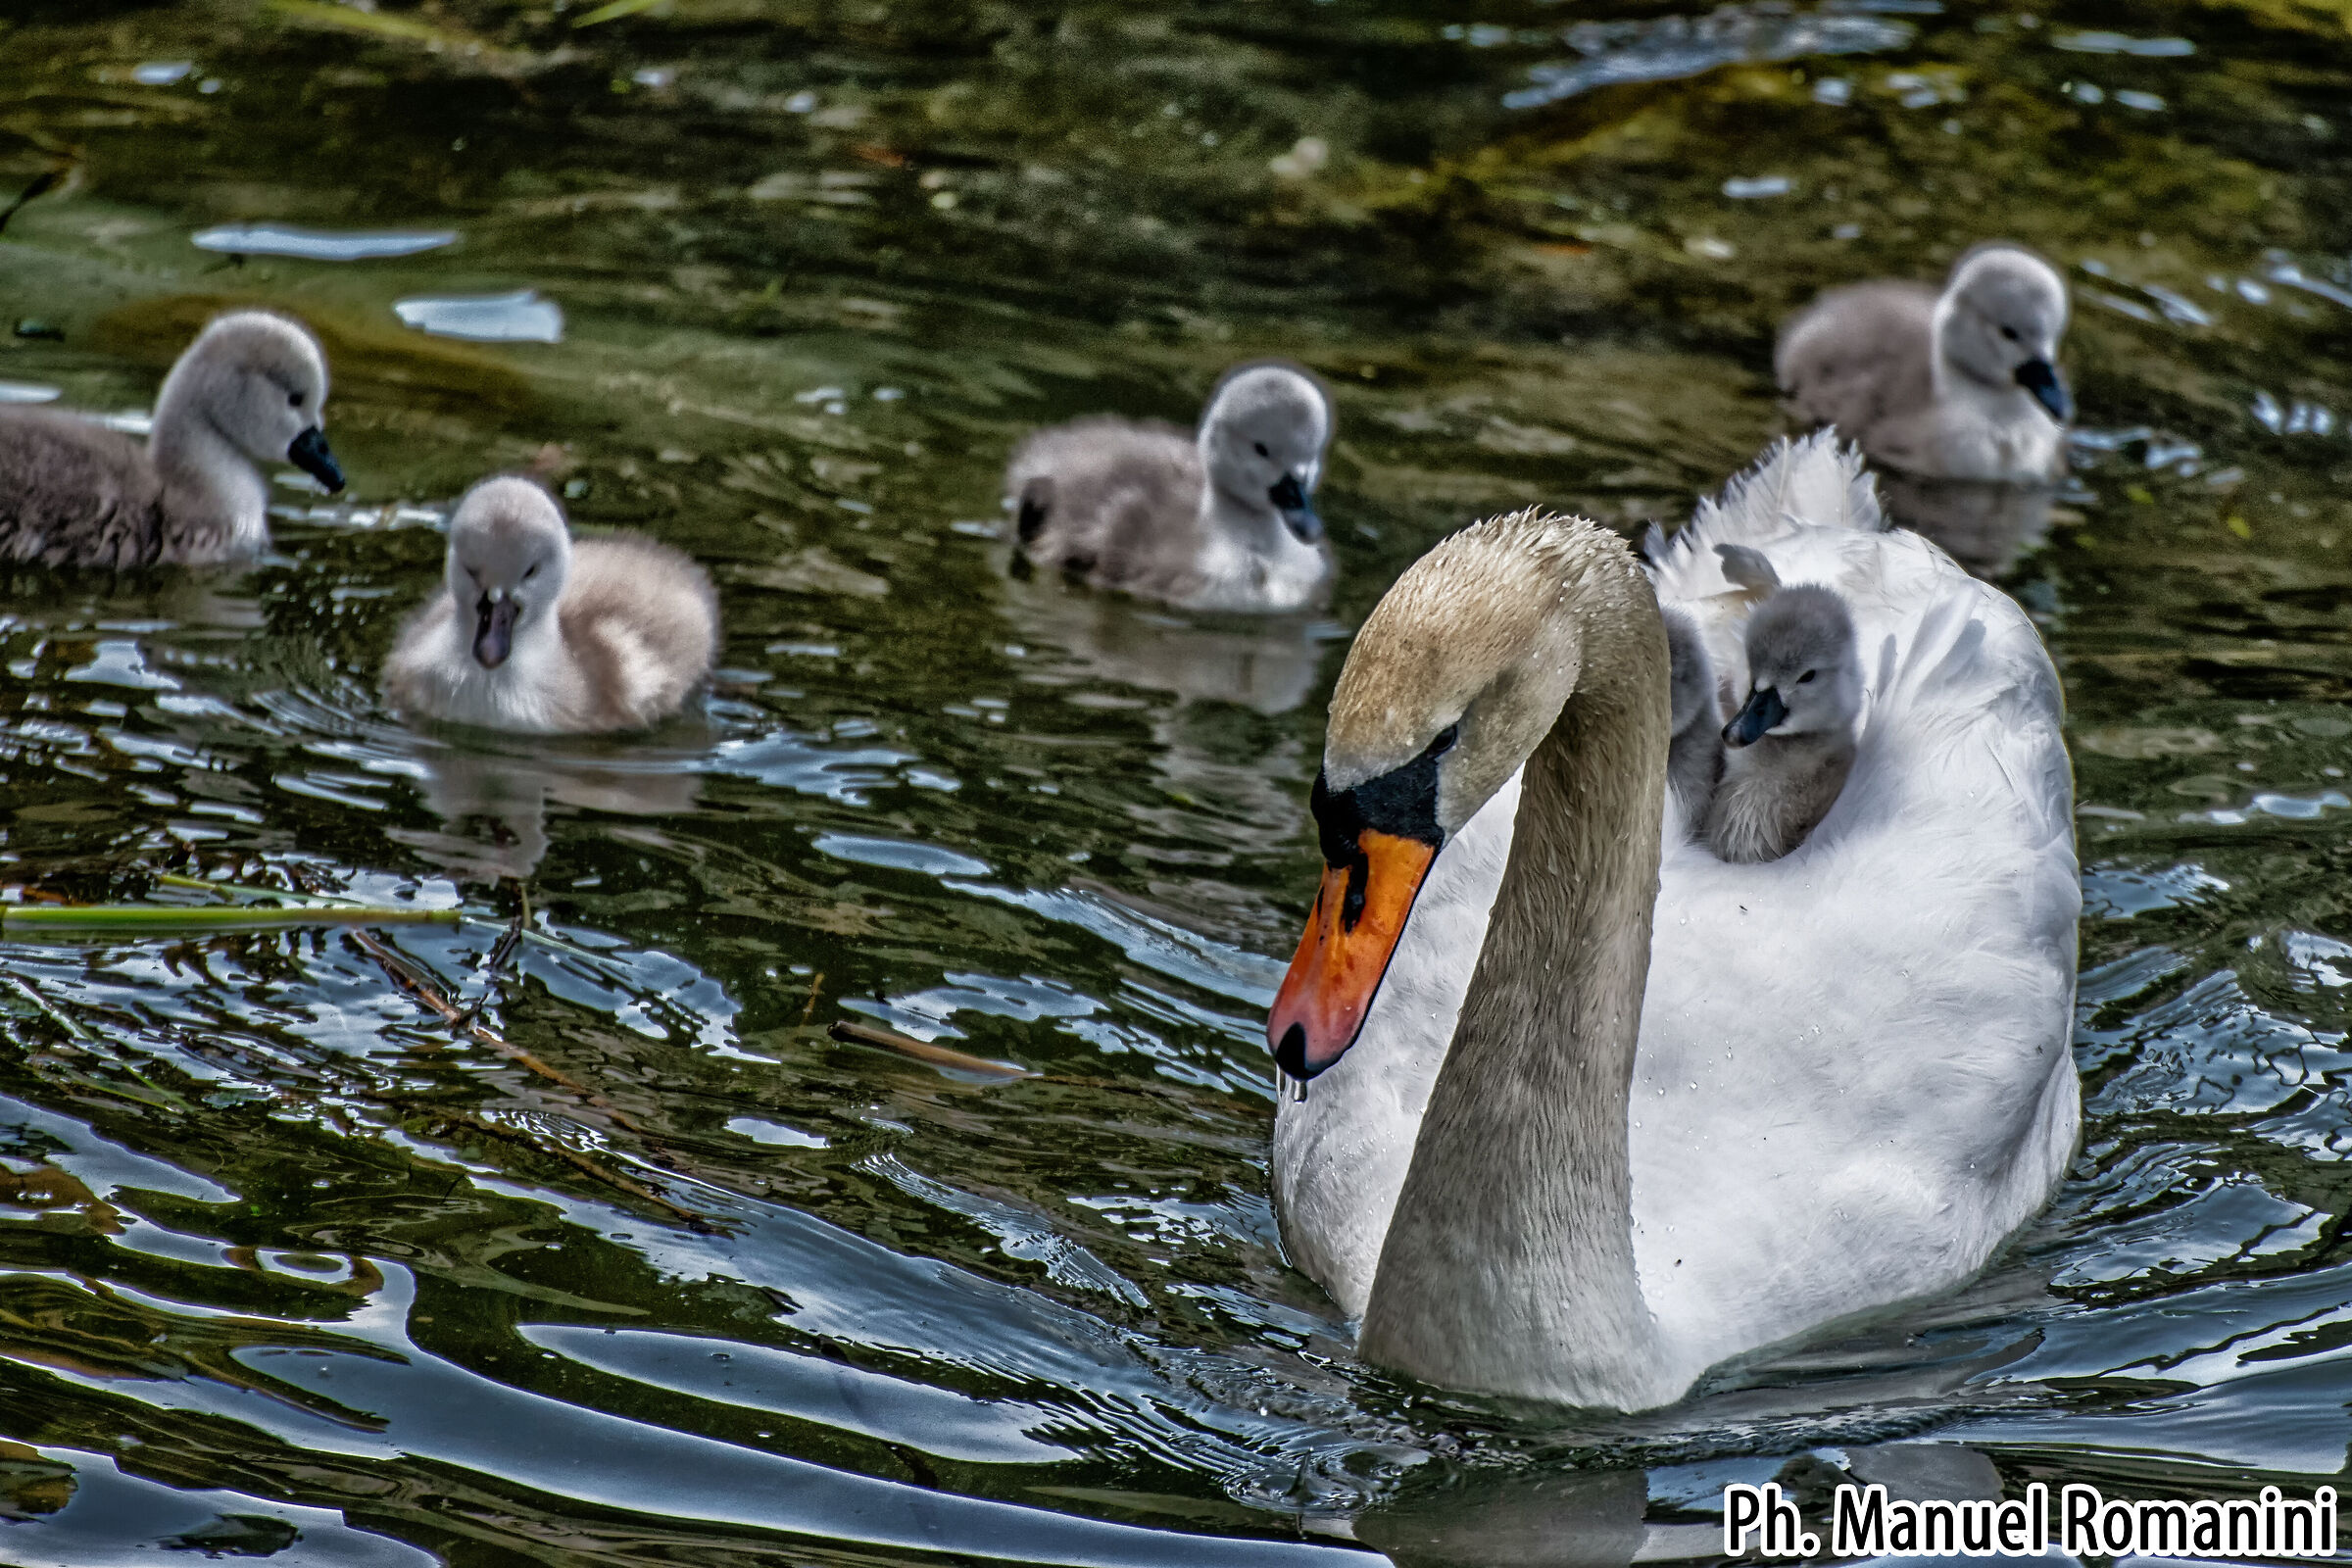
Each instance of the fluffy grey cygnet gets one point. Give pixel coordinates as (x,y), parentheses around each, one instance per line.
(1694,756)
(1961,384)
(1789,749)
(537,633)
(250,391)
(1222,519)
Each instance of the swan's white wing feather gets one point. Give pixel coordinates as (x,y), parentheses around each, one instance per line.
(1854,1075)
(1811,480)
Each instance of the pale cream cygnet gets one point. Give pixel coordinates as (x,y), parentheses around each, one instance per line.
(250,391)
(537,633)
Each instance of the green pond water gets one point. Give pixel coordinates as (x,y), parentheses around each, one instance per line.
(290,1268)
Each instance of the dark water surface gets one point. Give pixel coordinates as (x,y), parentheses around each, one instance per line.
(287,1266)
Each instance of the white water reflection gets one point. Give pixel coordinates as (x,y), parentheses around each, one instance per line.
(1669,47)
(320,245)
(520,317)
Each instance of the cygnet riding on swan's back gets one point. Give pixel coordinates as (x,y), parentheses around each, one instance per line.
(1791,743)
(251,390)
(1223,520)
(1694,756)
(535,632)
(1590,1113)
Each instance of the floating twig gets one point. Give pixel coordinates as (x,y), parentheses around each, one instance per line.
(499,954)
(580,1162)
(42,183)
(408,978)
(74,1031)
(924,1051)
(416,984)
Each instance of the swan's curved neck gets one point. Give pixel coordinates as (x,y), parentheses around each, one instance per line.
(1511,1251)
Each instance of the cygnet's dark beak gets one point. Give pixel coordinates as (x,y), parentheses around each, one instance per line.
(493,630)
(1290,499)
(310,454)
(1762,715)
(2041,379)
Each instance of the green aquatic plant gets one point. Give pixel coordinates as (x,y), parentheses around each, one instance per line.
(157,918)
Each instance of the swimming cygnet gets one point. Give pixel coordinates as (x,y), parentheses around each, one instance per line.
(533,631)
(249,391)
(1694,756)
(1219,521)
(1958,385)
(1791,743)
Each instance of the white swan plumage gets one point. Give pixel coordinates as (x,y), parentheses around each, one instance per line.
(1852,1076)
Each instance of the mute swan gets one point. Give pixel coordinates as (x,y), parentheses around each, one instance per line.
(1791,743)
(1582,1149)
(1222,521)
(250,390)
(1694,756)
(535,633)
(1958,385)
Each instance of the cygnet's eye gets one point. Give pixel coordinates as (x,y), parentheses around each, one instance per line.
(1261,449)
(293,399)
(1806,677)
(530,572)
(1445,740)
(2009,333)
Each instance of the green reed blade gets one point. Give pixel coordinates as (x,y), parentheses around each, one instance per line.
(615,11)
(144,918)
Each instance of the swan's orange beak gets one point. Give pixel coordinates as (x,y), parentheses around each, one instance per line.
(1359,915)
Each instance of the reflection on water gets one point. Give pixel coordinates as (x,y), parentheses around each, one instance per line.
(493,804)
(1984,526)
(594,1245)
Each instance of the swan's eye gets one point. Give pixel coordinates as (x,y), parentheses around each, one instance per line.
(2009,333)
(532,570)
(293,399)
(1806,677)
(1261,449)
(1445,740)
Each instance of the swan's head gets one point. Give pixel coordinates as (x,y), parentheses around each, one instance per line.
(1999,321)
(508,553)
(1458,674)
(1690,673)
(1804,671)
(1262,438)
(260,381)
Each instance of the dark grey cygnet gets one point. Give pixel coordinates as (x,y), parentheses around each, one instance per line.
(1694,756)
(1961,383)
(1221,520)
(249,392)
(1790,748)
